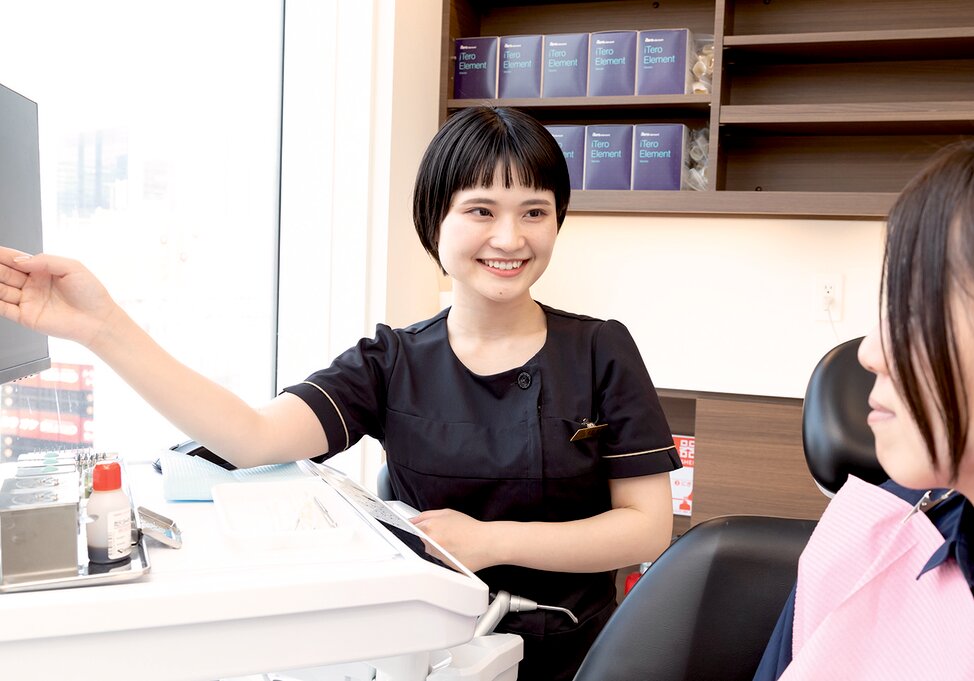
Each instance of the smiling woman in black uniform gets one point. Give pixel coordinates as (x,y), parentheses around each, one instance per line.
(532,439)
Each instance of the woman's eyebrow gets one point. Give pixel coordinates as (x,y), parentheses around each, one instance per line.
(477,199)
(494,202)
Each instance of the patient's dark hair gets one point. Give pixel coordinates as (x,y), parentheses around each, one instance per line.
(465,153)
(930,255)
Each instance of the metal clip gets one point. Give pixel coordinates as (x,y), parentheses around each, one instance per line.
(926,503)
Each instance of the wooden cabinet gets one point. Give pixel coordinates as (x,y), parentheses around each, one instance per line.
(817,109)
(749,457)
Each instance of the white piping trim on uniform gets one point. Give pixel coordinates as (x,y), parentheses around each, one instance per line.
(648,451)
(315,385)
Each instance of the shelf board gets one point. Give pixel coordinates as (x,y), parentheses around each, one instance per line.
(693,395)
(847,205)
(929,43)
(589,104)
(887,117)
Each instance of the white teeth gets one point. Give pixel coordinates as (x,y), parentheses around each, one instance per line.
(504,264)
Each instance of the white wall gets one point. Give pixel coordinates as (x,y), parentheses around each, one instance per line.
(719,304)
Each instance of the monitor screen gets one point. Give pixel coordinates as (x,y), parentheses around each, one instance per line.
(22,352)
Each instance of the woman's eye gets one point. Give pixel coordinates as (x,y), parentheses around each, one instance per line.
(480,212)
(536,213)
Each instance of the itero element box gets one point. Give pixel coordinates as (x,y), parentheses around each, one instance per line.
(608,157)
(475,68)
(659,156)
(565,65)
(664,61)
(611,63)
(520,66)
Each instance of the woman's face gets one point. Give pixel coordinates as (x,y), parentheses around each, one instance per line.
(496,242)
(899,445)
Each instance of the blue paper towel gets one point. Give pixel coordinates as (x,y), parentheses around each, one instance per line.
(190,478)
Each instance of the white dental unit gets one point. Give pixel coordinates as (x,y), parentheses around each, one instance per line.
(339,586)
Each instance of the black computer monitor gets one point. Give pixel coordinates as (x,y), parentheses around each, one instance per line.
(22,352)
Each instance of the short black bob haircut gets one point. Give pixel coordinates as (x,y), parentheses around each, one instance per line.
(930,257)
(465,153)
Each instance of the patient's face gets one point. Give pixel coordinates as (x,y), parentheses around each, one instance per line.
(899,446)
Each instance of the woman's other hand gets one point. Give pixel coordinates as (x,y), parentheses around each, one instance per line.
(52,295)
(466,539)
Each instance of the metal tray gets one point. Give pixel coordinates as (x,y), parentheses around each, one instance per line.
(144,523)
(91,574)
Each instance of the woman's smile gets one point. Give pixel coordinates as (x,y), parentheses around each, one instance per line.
(503,268)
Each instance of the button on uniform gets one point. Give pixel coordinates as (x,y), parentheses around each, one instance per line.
(524,380)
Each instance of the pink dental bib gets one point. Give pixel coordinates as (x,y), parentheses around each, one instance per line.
(860,611)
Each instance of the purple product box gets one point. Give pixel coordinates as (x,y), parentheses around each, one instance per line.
(664,61)
(612,63)
(608,157)
(571,139)
(659,156)
(475,68)
(520,66)
(565,65)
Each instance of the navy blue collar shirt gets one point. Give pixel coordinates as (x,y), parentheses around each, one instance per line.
(953,518)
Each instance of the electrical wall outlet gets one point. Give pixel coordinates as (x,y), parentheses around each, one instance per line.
(827,297)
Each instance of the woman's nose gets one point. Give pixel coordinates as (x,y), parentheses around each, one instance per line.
(507,235)
(871,355)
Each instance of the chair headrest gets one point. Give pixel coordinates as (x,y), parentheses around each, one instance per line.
(835,435)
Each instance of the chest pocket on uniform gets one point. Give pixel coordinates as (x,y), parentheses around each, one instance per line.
(564,458)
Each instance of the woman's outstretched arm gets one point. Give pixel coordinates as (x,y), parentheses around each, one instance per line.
(60,297)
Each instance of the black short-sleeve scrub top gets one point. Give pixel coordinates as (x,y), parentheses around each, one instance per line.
(500,447)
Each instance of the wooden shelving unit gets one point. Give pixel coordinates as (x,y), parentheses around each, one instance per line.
(815,112)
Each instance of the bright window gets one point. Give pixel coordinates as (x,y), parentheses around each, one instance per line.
(160,148)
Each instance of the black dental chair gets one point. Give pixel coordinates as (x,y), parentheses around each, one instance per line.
(705,609)
(835,437)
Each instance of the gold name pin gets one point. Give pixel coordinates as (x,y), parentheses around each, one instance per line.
(588,430)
